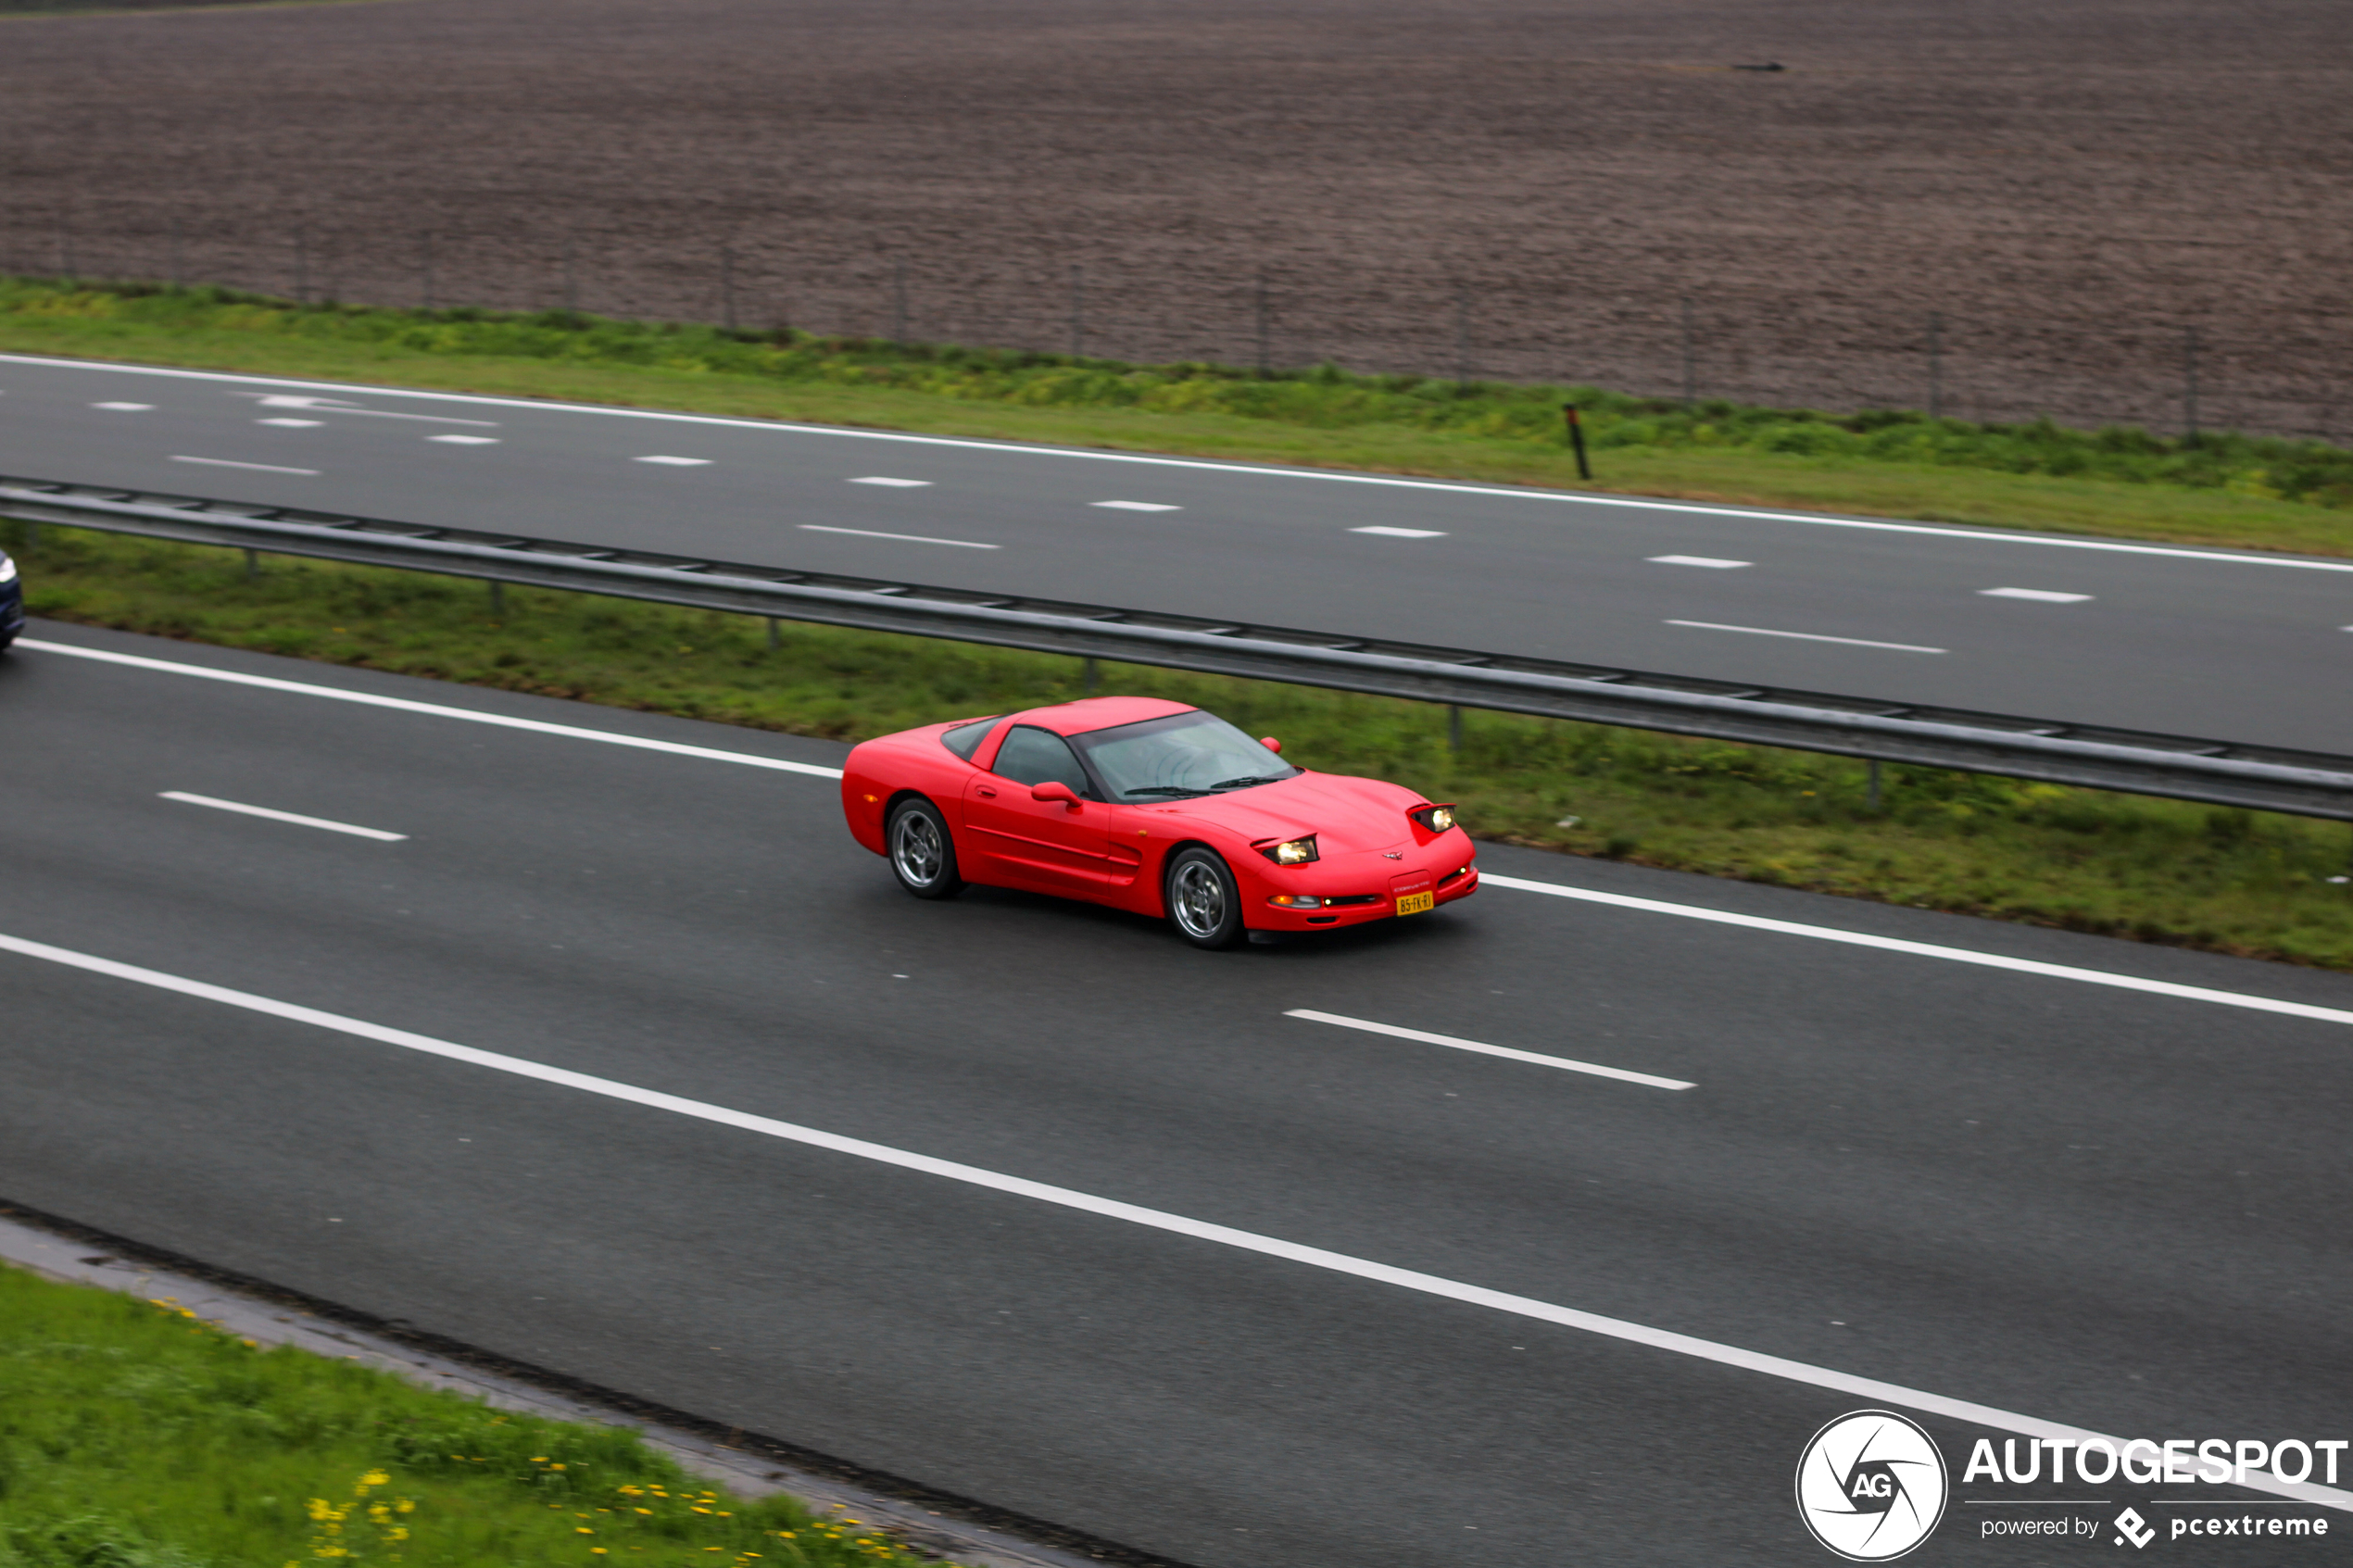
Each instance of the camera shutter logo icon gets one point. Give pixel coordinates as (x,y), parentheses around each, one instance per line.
(1871,1485)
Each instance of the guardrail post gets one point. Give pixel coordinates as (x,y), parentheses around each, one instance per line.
(1870,790)
(253,565)
(1092,673)
(775,638)
(1454,728)
(497,597)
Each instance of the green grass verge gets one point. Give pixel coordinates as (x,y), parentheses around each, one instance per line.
(2233,881)
(133,1436)
(2226,490)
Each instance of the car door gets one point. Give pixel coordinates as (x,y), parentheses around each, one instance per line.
(1044,845)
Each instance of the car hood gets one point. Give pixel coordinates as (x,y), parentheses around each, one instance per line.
(1344,813)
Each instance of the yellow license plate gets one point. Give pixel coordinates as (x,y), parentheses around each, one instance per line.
(1416,903)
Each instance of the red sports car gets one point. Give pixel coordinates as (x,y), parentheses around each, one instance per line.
(1155,808)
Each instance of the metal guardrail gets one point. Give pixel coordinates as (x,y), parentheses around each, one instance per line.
(2305,783)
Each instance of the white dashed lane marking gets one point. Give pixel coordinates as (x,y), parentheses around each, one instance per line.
(1699,560)
(292,424)
(1136,506)
(231,463)
(1387,533)
(1807,636)
(1451,1043)
(276,816)
(466,440)
(904,538)
(894,483)
(2045,595)
(125,407)
(677,462)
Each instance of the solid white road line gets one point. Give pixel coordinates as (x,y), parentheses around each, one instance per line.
(1489,879)
(434,710)
(225,463)
(1929,950)
(2045,595)
(1329,476)
(1699,560)
(894,483)
(292,424)
(1809,636)
(1385,532)
(124,408)
(1866,1388)
(678,463)
(466,440)
(1428,1040)
(377,833)
(1136,506)
(909,539)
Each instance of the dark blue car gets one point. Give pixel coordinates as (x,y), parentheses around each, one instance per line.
(11,601)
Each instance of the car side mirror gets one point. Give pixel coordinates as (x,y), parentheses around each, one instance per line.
(1054,789)
(1271,744)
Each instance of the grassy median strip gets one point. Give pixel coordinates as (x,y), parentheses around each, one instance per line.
(134,1435)
(2221,489)
(2238,882)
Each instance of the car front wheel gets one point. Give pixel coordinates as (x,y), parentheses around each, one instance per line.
(1205,905)
(923,854)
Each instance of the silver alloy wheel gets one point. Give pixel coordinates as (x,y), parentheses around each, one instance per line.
(1197,898)
(915,848)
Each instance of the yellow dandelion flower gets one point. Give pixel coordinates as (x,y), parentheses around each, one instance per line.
(581,1530)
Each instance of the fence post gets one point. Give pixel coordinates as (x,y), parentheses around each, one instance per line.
(898,300)
(1263,355)
(1689,378)
(1577,439)
(2189,384)
(1935,364)
(1078,312)
(424,256)
(726,285)
(571,276)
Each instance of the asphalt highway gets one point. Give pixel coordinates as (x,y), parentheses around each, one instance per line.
(2241,647)
(2065,1195)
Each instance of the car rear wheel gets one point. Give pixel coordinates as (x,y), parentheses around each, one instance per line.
(1205,905)
(922,852)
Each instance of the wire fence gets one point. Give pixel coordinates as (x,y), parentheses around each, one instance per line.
(2064,361)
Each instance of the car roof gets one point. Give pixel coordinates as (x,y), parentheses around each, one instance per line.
(1100,713)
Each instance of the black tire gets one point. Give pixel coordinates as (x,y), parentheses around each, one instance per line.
(922,851)
(1204,902)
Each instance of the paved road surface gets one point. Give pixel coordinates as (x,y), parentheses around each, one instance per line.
(2230,645)
(2095,1204)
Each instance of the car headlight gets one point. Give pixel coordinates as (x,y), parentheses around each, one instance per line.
(1292,851)
(1437,819)
(7,569)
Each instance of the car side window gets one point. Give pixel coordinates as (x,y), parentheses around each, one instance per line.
(965,739)
(1035,756)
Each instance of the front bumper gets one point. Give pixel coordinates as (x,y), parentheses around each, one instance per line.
(1380,905)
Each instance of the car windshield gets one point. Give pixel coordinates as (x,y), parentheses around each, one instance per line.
(1181,755)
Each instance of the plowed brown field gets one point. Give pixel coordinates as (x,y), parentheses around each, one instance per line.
(1522,189)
